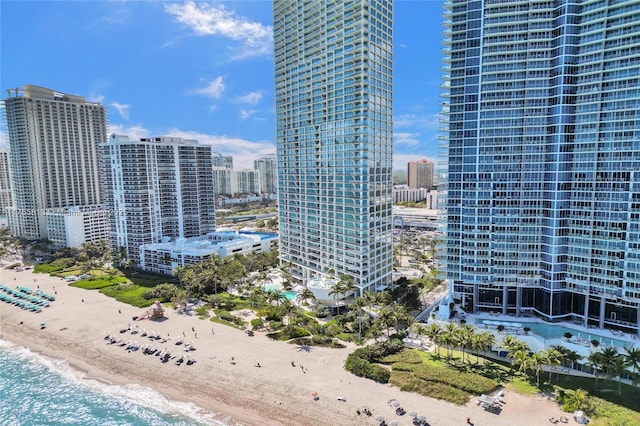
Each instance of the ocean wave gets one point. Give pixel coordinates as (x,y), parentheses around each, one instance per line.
(140,402)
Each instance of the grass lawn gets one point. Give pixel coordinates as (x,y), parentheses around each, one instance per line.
(432,375)
(128,293)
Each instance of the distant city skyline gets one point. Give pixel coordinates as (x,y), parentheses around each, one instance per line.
(200,71)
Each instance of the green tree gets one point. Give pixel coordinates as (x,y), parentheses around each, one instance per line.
(305,296)
(435,332)
(633,359)
(595,361)
(617,368)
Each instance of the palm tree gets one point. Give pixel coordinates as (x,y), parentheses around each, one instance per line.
(347,284)
(633,359)
(434,332)
(488,342)
(537,361)
(594,360)
(336,290)
(465,338)
(571,357)
(618,367)
(554,359)
(304,296)
(609,357)
(386,319)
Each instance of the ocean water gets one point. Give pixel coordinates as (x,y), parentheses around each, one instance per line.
(37,390)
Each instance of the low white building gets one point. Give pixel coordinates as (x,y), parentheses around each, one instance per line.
(165,257)
(76,225)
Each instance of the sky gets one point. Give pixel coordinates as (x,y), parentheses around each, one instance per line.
(200,70)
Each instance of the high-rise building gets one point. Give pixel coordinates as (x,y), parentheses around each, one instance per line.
(5,183)
(157,189)
(333,74)
(267,166)
(219,160)
(245,181)
(53,155)
(222,181)
(420,174)
(543,158)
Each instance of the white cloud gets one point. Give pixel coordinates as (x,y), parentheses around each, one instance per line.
(255,38)
(122,109)
(95,98)
(251,98)
(246,113)
(135,132)
(405,138)
(213,89)
(242,150)
(413,120)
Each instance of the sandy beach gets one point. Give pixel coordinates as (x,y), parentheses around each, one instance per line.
(277,393)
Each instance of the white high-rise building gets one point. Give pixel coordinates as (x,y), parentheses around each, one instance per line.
(219,160)
(158,189)
(5,183)
(222,181)
(267,166)
(53,155)
(245,181)
(333,74)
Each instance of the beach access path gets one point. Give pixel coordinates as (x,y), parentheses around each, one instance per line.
(277,393)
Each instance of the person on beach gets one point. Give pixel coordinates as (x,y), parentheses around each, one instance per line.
(213,332)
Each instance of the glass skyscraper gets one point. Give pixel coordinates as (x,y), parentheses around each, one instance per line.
(333,74)
(543,106)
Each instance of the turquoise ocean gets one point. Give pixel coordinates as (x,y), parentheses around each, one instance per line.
(37,390)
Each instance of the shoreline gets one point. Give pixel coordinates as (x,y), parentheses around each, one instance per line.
(234,390)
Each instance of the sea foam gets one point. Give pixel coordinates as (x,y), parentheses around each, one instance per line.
(36,389)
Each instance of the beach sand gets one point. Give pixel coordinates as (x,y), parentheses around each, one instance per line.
(275,394)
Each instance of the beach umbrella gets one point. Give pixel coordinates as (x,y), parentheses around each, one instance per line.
(395,403)
(393,424)
(379,418)
(421,418)
(413,413)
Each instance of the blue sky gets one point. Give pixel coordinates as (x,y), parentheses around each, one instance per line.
(199,70)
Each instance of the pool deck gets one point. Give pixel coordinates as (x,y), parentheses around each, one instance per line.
(580,343)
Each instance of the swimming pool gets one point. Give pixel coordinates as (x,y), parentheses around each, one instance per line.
(290,295)
(557,331)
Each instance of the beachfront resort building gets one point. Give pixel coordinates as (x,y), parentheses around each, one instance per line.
(543,107)
(333,75)
(53,155)
(157,187)
(5,183)
(267,167)
(75,225)
(166,256)
(420,174)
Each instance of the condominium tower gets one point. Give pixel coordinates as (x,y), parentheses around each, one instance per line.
(157,189)
(420,174)
(333,74)
(53,155)
(543,103)
(5,183)
(267,167)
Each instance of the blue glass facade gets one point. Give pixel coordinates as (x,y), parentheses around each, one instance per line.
(333,74)
(543,102)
